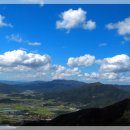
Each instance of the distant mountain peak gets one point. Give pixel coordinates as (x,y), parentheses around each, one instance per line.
(97,83)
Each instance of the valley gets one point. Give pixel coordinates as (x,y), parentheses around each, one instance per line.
(14,110)
(43,101)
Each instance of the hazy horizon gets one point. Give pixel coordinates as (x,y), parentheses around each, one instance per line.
(27,81)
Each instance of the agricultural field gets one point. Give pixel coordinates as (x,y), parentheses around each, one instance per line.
(15,110)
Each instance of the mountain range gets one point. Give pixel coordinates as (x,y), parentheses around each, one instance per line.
(70,91)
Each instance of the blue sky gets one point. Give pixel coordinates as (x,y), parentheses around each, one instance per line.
(33,29)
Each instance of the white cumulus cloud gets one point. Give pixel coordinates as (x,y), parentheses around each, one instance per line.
(75,18)
(61,72)
(22,58)
(21,65)
(122,27)
(118,63)
(90,25)
(100,76)
(82,61)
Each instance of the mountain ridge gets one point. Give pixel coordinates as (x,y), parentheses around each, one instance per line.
(70,91)
(110,115)
(113,115)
